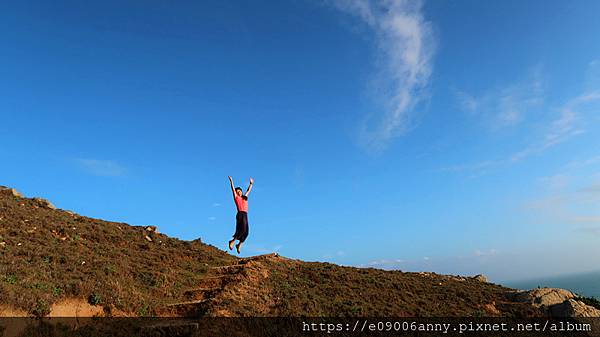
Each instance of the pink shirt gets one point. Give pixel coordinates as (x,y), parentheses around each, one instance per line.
(240,203)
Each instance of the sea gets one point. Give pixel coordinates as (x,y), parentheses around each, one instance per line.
(583,284)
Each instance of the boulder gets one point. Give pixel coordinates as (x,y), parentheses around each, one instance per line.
(550,296)
(480,278)
(556,302)
(573,308)
(542,296)
(151,229)
(44,203)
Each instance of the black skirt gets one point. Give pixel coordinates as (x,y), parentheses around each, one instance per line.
(241,226)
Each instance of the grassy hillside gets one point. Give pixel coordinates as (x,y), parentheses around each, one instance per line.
(48,256)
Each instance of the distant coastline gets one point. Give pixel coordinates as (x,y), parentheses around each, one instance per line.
(585,284)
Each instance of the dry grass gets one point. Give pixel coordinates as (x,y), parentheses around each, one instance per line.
(51,255)
(48,256)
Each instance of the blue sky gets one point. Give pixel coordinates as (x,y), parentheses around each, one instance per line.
(459,137)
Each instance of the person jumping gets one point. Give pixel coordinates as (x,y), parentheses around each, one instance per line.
(241,218)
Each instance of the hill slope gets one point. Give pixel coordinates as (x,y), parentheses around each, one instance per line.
(55,262)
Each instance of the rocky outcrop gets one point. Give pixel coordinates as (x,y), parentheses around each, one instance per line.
(44,203)
(545,296)
(480,278)
(11,191)
(555,302)
(151,229)
(573,308)
(40,202)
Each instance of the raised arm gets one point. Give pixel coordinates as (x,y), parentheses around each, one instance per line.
(232,187)
(249,187)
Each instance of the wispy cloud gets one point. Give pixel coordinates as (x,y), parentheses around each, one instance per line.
(470,264)
(506,106)
(338,253)
(478,166)
(566,125)
(489,252)
(216,204)
(106,168)
(264,250)
(406,44)
(212,218)
(570,197)
(385,263)
(562,128)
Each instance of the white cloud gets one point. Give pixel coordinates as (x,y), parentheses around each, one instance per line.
(577,164)
(216,204)
(475,263)
(563,128)
(568,198)
(507,106)
(479,166)
(556,182)
(489,252)
(107,168)
(406,44)
(566,125)
(264,250)
(212,218)
(339,253)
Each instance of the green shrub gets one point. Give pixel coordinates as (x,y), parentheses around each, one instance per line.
(94,299)
(41,308)
(143,311)
(56,291)
(10,279)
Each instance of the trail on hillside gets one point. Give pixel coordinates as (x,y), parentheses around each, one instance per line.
(240,281)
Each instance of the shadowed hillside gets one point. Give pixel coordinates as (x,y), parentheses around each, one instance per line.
(56,262)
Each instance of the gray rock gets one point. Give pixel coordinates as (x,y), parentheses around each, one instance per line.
(480,278)
(543,296)
(556,302)
(573,308)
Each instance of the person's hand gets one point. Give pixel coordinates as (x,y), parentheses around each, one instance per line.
(251,181)
(230,179)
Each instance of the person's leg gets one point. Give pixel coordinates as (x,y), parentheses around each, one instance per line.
(244,231)
(239,228)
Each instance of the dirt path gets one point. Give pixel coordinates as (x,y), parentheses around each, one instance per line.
(221,285)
